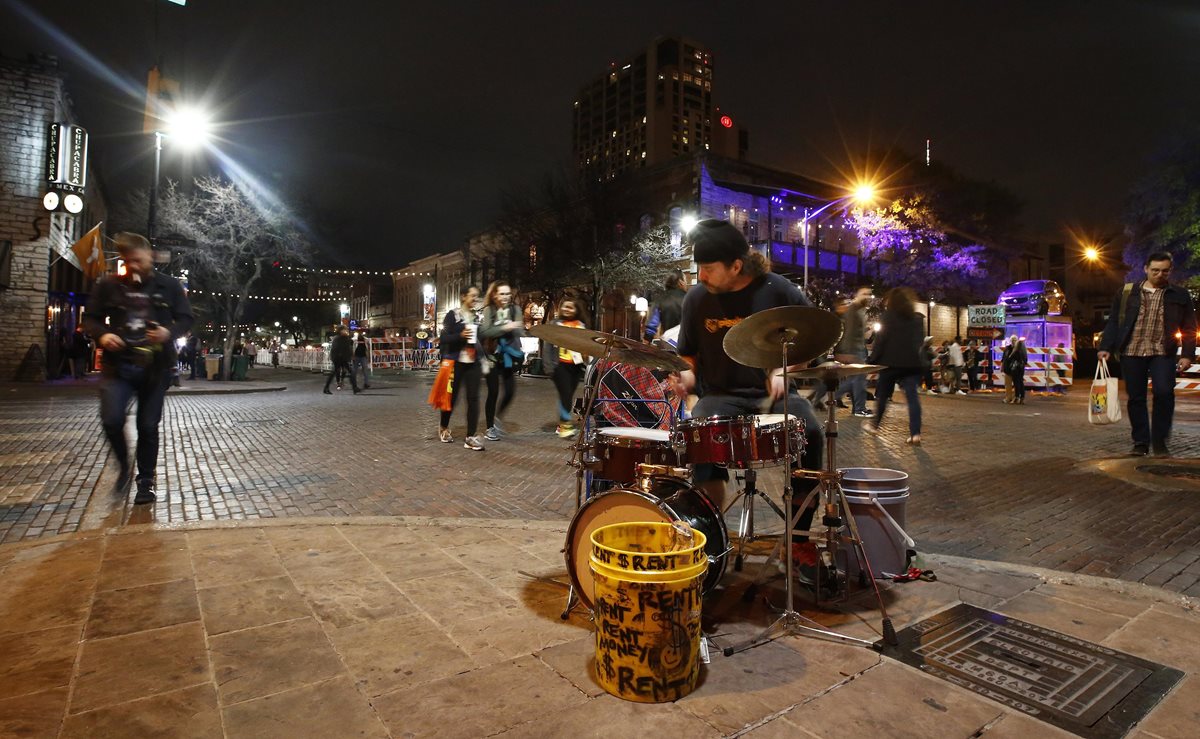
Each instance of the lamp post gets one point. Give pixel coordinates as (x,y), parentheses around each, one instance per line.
(863,193)
(190,128)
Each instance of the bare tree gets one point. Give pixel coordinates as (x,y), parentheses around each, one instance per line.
(235,233)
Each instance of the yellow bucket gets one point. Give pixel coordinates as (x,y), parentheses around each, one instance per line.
(653,546)
(647,620)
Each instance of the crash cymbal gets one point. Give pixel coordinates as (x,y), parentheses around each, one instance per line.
(617,348)
(832,372)
(757,341)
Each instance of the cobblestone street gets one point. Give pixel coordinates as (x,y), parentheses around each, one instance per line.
(1033,484)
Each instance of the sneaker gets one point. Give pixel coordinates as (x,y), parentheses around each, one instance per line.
(339,386)
(807,567)
(864,414)
(498,426)
(1139,450)
(960,392)
(493,434)
(473,443)
(145,491)
(1159,449)
(328,391)
(444,436)
(357,390)
(566,430)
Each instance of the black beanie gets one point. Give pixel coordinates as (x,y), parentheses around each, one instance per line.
(717,241)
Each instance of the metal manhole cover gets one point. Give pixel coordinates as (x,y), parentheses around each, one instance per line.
(1079,686)
(1181,471)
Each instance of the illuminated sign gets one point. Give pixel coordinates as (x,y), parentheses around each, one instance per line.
(726,121)
(66,155)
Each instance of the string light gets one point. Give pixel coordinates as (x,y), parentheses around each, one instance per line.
(337,297)
(357,272)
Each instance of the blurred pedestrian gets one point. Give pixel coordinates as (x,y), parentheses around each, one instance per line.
(898,347)
(362,360)
(852,349)
(568,366)
(459,343)
(928,364)
(1018,358)
(341,351)
(956,363)
(501,328)
(251,351)
(971,364)
(79,352)
(668,307)
(135,319)
(1005,353)
(1153,325)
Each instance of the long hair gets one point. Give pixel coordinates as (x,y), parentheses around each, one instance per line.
(755,265)
(901,300)
(490,300)
(581,313)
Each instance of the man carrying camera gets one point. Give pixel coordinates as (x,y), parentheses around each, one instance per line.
(135,318)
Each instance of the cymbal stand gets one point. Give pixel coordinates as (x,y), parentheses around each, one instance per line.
(579,460)
(791,622)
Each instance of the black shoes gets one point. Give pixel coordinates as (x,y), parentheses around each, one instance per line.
(357,390)
(1159,449)
(1139,450)
(328,391)
(123,480)
(145,491)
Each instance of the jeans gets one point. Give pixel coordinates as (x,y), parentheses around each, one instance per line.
(466,379)
(566,380)
(117,391)
(856,385)
(508,375)
(973,378)
(1018,380)
(339,370)
(908,380)
(1160,371)
(365,366)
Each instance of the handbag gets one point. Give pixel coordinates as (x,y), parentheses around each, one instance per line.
(1104,405)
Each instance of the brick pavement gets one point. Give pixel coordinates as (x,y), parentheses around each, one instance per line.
(991,481)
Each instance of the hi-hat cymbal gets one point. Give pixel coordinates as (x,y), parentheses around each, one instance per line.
(833,372)
(758,340)
(616,348)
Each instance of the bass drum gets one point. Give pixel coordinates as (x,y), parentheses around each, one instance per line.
(668,499)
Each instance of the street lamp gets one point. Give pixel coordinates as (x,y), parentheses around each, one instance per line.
(1092,254)
(189,127)
(863,193)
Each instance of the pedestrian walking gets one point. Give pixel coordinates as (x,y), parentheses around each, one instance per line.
(341,351)
(568,366)
(78,352)
(852,349)
(928,364)
(501,328)
(362,360)
(251,351)
(135,318)
(1152,325)
(899,348)
(275,349)
(1014,367)
(459,343)
(1005,353)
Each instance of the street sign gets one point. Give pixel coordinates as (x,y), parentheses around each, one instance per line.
(985,316)
(982,332)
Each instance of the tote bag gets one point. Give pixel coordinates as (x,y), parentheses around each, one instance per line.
(1104,405)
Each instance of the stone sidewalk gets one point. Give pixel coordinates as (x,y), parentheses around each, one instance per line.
(409,627)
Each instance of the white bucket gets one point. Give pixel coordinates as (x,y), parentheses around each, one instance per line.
(877,499)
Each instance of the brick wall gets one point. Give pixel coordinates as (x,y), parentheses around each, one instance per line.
(32,96)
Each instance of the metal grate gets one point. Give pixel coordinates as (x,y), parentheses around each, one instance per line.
(1079,686)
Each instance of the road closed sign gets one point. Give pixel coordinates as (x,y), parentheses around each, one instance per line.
(985,316)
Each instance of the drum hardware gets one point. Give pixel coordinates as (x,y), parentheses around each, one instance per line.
(775,339)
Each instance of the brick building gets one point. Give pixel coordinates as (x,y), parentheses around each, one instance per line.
(42,290)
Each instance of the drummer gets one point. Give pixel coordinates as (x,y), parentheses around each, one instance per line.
(735,283)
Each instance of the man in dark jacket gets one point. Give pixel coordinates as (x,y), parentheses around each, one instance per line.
(135,318)
(341,352)
(1148,323)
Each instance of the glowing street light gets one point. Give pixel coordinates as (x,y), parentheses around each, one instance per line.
(688,222)
(189,127)
(863,194)
(1092,254)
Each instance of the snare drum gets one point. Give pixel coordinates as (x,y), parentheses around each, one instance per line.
(664,499)
(619,451)
(740,441)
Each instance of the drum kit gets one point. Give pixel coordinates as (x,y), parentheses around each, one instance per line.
(651,468)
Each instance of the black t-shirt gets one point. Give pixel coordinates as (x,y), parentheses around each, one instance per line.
(707,317)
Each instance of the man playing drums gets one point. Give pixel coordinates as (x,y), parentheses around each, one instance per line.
(735,283)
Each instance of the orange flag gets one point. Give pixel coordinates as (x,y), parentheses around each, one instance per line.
(90,252)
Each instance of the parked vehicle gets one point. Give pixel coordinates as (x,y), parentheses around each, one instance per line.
(1034,297)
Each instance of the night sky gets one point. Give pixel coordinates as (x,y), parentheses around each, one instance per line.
(394,126)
